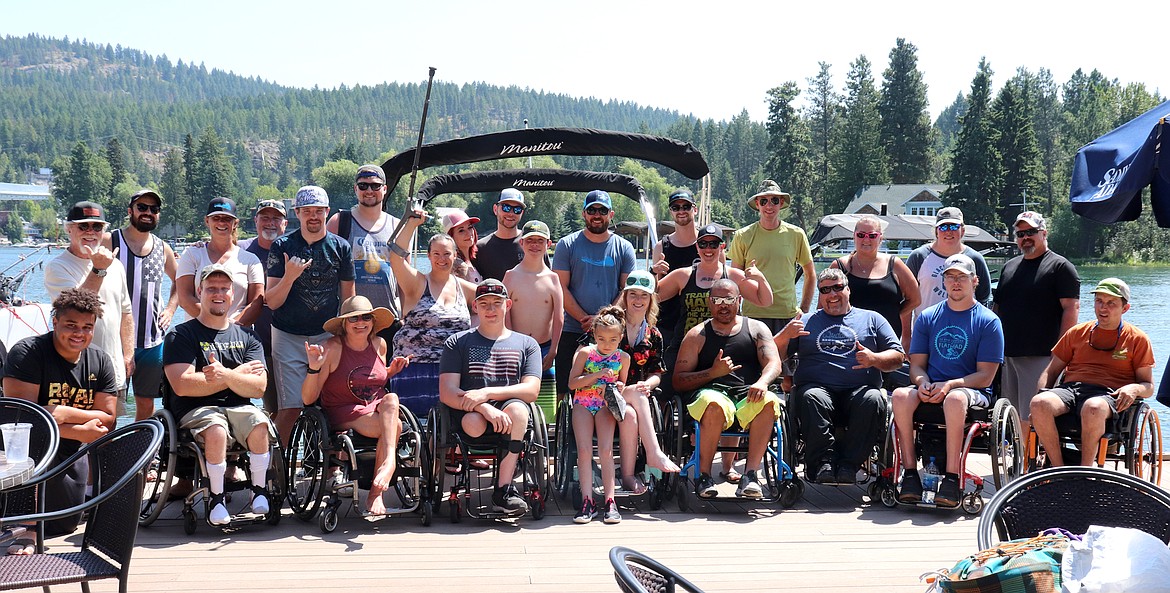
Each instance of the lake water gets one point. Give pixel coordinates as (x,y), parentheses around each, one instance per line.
(1150,307)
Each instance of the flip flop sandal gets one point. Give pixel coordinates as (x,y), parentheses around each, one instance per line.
(731,477)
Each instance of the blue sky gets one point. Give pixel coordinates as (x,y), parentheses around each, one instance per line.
(710,59)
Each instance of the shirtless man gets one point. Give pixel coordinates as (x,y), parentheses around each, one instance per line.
(536,289)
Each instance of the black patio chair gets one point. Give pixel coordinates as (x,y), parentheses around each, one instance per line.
(118,463)
(638,573)
(1073,498)
(42,447)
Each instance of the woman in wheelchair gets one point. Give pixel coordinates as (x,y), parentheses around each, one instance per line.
(643,342)
(348,374)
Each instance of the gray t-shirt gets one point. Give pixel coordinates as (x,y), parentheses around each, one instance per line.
(594,271)
(482,362)
(829,353)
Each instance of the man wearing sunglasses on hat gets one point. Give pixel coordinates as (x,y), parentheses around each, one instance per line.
(88,264)
(146,258)
(927,262)
(592,265)
(1107,364)
(843,352)
(502,250)
(777,248)
(1037,300)
(675,251)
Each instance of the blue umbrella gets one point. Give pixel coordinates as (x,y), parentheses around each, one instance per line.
(1110,172)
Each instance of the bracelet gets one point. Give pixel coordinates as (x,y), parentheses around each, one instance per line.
(313,371)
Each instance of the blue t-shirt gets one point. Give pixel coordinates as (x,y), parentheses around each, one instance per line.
(956,341)
(594,271)
(829,353)
(315,297)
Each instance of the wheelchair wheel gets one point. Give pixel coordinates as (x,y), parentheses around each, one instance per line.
(436,439)
(328,520)
(306,463)
(972,504)
(412,483)
(536,481)
(190,521)
(680,492)
(428,512)
(276,478)
(1143,456)
(566,455)
(1006,444)
(791,492)
(157,493)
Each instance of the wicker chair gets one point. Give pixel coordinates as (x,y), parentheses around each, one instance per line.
(1073,498)
(118,463)
(637,573)
(42,446)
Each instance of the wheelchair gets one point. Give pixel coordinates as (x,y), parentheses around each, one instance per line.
(1132,442)
(870,469)
(327,466)
(471,488)
(566,474)
(777,476)
(993,430)
(181,458)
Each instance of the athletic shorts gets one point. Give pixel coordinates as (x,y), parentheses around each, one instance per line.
(148,372)
(238,421)
(1074,395)
(291,366)
(742,411)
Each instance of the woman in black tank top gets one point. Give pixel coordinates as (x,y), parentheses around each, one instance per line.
(877,281)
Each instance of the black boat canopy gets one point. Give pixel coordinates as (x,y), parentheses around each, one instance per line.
(530,180)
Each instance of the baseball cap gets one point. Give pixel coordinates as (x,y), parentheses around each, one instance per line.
(368,171)
(222,206)
(681,193)
(537,228)
(511,195)
(711,230)
(768,188)
(311,196)
(960,262)
(143,193)
(210,269)
(273,204)
(1113,287)
(948,215)
(1033,219)
(455,218)
(598,197)
(640,280)
(86,211)
(491,287)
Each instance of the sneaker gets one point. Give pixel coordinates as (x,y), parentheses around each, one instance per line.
(508,500)
(587,512)
(948,492)
(259,500)
(749,486)
(611,513)
(218,515)
(615,402)
(705,487)
(846,474)
(825,474)
(910,490)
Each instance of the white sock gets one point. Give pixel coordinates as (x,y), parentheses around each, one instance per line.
(259,465)
(215,473)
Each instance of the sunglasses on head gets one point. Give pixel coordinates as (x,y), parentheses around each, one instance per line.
(949,227)
(712,244)
(512,208)
(1026,233)
(775,200)
(367,186)
(151,208)
(597,211)
(831,288)
(640,282)
(723,300)
(362,317)
(86,227)
(683,207)
(861,235)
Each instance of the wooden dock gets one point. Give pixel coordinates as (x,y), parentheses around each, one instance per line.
(832,540)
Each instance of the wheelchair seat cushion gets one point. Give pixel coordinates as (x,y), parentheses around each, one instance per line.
(928,413)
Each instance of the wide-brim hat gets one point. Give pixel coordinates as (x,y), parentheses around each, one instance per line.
(359,305)
(769,188)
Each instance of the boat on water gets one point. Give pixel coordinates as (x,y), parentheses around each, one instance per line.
(21,318)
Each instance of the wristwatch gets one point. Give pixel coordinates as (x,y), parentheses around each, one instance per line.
(100,273)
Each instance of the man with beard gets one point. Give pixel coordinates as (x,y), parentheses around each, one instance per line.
(270,219)
(1037,300)
(367,229)
(146,258)
(843,352)
(309,273)
(955,351)
(728,362)
(927,261)
(592,265)
(676,250)
(502,250)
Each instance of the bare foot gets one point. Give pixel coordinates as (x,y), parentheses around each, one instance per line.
(25,546)
(374,504)
(384,477)
(663,463)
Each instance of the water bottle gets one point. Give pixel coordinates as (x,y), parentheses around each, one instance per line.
(930,480)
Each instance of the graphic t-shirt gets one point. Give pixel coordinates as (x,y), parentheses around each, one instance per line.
(1028,302)
(927,266)
(373,277)
(594,271)
(191,342)
(956,341)
(1125,352)
(828,354)
(315,297)
(482,362)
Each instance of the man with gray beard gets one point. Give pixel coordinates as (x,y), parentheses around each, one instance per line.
(271,220)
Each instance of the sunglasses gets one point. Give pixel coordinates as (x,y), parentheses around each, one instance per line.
(775,200)
(639,282)
(1116,339)
(597,211)
(1027,233)
(861,235)
(362,317)
(86,227)
(831,288)
(949,227)
(369,186)
(151,208)
(712,244)
(221,218)
(684,207)
(512,209)
(723,300)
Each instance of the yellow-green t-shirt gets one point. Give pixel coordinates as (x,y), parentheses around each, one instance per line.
(777,253)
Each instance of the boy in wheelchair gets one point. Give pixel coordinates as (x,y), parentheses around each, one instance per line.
(215,368)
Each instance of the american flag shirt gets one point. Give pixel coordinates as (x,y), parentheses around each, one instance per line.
(482,362)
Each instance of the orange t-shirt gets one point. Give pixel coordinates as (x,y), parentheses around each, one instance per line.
(1114,368)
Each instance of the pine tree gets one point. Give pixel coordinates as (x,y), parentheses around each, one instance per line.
(823,113)
(906,132)
(975,163)
(858,158)
(116,157)
(788,154)
(86,176)
(213,173)
(177,209)
(1015,141)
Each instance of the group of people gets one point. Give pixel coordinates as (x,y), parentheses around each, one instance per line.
(336,313)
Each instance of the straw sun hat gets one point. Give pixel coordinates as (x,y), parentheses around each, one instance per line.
(359,305)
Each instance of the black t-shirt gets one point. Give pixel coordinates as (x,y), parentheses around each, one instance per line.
(62,383)
(190,342)
(494,256)
(1028,302)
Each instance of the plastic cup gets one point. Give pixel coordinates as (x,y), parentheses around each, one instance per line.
(16,441)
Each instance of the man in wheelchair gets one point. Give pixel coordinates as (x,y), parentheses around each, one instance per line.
(488,376)
(728,362)
(215,368)
(1107,366)
(955,350)
(842,352)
